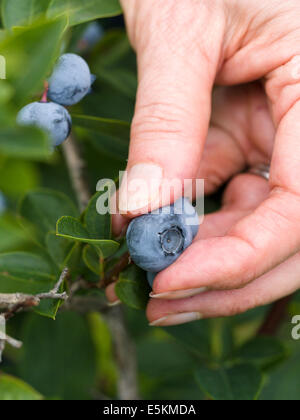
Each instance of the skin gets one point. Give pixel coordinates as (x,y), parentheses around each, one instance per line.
(247,254)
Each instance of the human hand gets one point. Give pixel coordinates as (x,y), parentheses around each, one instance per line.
(247,253)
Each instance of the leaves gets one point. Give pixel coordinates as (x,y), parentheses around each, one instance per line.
(132,288)
(71,228)
(79,11)
(25,142)
(106,134)
(263,352)
(44,207)
(237,383)
(29,273)
(13,389)
(28,61)
(98,225)
(24,12)
(196,336)
(58,357)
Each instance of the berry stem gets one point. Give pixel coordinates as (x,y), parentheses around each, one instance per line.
(45,94)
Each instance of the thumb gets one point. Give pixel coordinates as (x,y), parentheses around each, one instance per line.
(176,76)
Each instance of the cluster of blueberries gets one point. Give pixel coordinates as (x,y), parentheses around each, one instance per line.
(154,240)
(157,239)
(69,83)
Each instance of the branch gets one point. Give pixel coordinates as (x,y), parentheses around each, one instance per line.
(112,275)
(124,348)
(76,167)
(85,305)
(17,302)
(125,355)
(275,317)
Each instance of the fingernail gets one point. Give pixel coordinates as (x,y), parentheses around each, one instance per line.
(140,187)
(176,319)
(179,294)
(115,303)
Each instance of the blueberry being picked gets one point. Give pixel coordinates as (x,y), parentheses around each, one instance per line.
(49,116)
(70,81)
(157,239)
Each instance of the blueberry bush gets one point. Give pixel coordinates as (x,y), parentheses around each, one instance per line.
(57,253)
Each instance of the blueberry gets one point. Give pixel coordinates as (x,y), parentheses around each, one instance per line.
(49,116)
(91,36)
(70,81)
(157,239)
(150,278)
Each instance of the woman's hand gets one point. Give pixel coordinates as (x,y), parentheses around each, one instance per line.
(247,254)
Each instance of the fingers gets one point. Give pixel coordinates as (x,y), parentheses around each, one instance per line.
(259,242)
(241,134)
(242,195)
(281,282)
(176,75)
(111,295)
(252,247)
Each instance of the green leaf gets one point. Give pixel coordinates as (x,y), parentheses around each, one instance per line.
(71,228)
(119,130)
(31,274)
(12,236)
(27,61)
(13,389)
(25,142)
(263,352)
(80,11)
(62,251)
(22,12)
(284,383)
(97,225)
(91,259)
(109,136)
(17,177)
(132,288)
(58,357)
(238,383)
(122,79)
(44,207)
(196,336)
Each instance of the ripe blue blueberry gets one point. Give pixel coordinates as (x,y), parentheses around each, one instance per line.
(49,116)
(150,278)
(70,81)
(157,239)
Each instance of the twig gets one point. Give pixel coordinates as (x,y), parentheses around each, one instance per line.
(85,305)
(76,167)
(11,341)
(16,302)
(275,317)
(54,293)
(124,348)
(112,275)
(125,355)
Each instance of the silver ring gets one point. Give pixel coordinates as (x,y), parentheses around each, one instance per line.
(261,170)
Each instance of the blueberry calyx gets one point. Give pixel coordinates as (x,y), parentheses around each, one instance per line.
(172,240)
